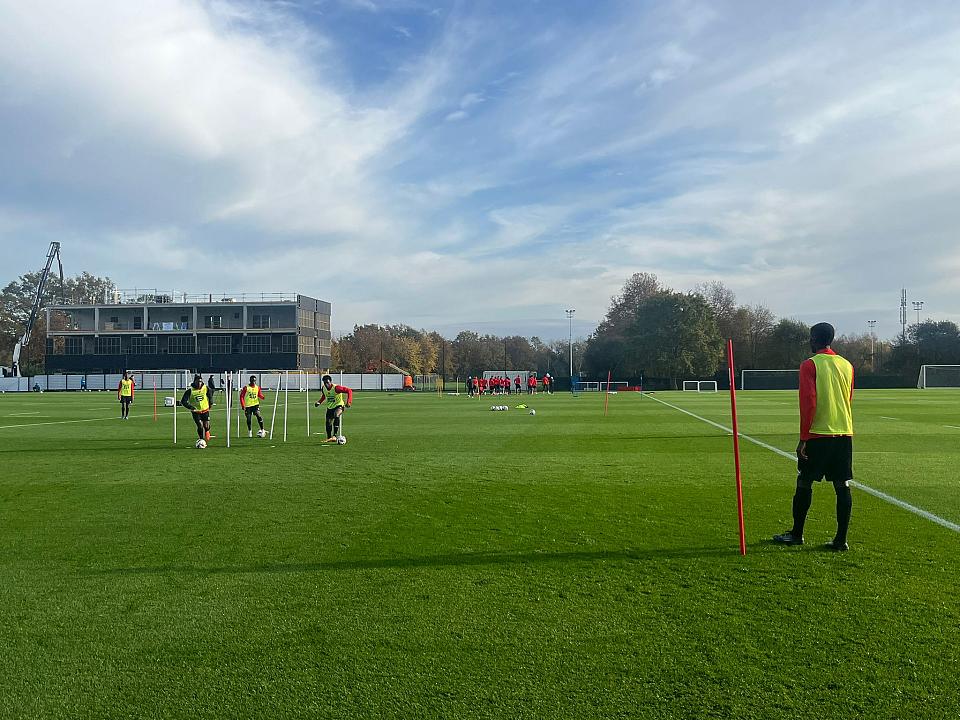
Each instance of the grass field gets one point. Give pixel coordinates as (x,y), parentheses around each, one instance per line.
(452,562)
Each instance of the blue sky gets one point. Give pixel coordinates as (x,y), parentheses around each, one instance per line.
(485,165)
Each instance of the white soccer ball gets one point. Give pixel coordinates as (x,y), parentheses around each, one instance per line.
(493,407)
(261,433)
(201,444)
(533,412)
(341,440)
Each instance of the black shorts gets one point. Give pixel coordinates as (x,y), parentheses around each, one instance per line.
(252,410)
(126,399)
(830,457)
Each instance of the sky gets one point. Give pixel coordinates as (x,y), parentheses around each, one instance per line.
(487,165)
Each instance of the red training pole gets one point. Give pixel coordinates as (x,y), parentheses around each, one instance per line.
(154,399)
(736,445)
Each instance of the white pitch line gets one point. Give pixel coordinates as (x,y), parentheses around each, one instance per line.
(64,422)
(955,427)
(884,417)
(876,493)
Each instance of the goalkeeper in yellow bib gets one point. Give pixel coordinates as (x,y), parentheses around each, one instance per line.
(250,398)
(337,398)
(197,401)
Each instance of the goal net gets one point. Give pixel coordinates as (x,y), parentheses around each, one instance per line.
(587,386)
(700,385)
(172,379)
(770,379)
(938,376)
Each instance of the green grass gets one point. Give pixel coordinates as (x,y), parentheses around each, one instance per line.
(452,562)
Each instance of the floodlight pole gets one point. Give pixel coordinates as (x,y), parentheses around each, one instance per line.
(570,318)
(918,306)
(873,361)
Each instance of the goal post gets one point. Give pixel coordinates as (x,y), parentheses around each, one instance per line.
(788,379)
(700,386)
(933,377)
(175,380)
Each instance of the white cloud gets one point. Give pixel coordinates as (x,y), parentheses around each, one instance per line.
(815,149)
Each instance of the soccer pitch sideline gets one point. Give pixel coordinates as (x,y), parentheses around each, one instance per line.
(452,562)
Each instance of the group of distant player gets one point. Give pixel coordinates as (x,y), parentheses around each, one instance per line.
(478,386)
(198,399)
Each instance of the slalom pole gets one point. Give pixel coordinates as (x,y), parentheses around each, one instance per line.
(240,385)
(174,408)
(606,396)
(286,393)
(227,408)
(306,377)
(736,444)
(276,399)
(154,398)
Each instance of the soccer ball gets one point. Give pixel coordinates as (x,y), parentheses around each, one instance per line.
(341,439)
(533,412)
(201,444)
(261,433)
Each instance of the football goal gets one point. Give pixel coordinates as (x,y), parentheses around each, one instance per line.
(938,376)
(770,379)
(587,386)
(700,385)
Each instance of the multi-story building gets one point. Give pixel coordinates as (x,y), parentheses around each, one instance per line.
(209,333)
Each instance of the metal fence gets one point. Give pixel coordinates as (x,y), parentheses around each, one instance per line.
(168,379)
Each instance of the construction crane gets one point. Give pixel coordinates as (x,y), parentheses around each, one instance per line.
(53,252)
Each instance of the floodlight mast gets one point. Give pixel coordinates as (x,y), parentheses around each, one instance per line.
(570,318)
(53,252)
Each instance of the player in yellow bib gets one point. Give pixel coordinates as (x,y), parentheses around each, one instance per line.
(336,398)
(125,390)
(196,400)
(250,397)
(825,449)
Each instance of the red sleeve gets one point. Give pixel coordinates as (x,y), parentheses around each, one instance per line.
(344,389)
(808,397)
(243,392)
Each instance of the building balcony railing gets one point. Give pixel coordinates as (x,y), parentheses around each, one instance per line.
(153,296)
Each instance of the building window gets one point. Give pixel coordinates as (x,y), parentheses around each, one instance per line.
(180,345)
(184,318)
(143,346)
(305,318)
(323,322)
(219,345)
(256,343)
(108,345)
(73,346)
(323,347)
(307,346)
(288,343)
(213,321)
(260,322)
(138,322)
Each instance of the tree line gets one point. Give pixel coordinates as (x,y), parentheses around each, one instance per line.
(649,330)
(16,302)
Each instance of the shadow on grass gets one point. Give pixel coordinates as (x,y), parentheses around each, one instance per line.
(435,561)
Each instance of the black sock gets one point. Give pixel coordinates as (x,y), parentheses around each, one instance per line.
(801,504)
(844,506)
